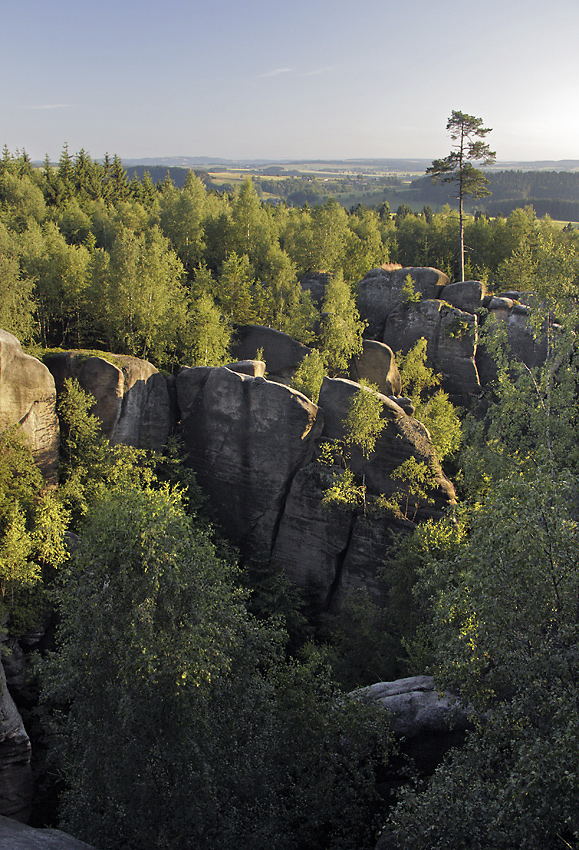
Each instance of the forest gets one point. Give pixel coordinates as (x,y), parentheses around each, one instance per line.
(222,693)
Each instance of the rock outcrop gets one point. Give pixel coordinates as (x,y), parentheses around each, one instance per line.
(281,353)
(246,439)
(380,292)
(449,316)
(18,836)
(28,398)
(132,399)
(377,364)
(252,444)
(15,771)
(451,336)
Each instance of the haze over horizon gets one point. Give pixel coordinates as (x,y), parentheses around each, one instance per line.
(317,79)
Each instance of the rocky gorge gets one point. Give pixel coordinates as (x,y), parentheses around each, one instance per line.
(254,442)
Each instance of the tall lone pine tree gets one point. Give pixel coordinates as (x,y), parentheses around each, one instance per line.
(467,132)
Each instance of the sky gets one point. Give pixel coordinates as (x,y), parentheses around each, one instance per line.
(287,79)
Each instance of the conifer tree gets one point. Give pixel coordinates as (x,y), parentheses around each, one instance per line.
(467,133)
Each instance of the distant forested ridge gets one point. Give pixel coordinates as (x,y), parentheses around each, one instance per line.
(554,193)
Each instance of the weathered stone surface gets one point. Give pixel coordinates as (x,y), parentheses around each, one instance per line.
(456,351)
(451,335)
(132,399)
(255,368)
(417,707)
(281,353)
(402,438)
(377,364)
(313,540)
(15,772)
(327,550)
(28,398)
(379,293)
(18,836)
(246,439)
(523,345)
(467,295)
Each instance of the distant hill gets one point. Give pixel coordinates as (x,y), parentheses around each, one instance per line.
(158,173)
(555,193)
(391,164)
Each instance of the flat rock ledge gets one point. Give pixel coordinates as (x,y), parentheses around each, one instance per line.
(417,707)
(18,836)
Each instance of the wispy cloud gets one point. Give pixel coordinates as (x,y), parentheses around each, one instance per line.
(318,71)
(276,72)
(49,106)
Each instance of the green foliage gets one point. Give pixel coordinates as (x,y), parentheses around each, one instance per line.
(362,427)
(32,526)
(309,375)
(341,329)
(408,293)
(361,645)
(185,726)
(467,133)
(363,423)
(433,407)
(16,305)
(504,634)
(207,334)
(417,479)
(89,464)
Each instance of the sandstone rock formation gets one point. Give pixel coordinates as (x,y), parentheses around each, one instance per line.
(18,836)
(246,438)
(417,707)
(377,364)
(281,353)
(449,316)
(401,438)
(132,399)
(451,335)
(252,444)
(380,292)
(315,283)
(28,398)
(15,772)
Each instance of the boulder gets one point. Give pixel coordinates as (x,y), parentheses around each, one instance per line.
(18,836)
(15,773)
(131,396)
(451,335)
(281,353)
(255,368)
(468,295)
(417,707)
(28,398)
(246,439)
(377,364)
(379,293)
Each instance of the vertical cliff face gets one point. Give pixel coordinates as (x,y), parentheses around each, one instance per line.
(28,398)
(246,439)
(132,399)
(15,772)
(252,444)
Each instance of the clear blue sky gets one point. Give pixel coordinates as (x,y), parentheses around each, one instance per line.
(287,78)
